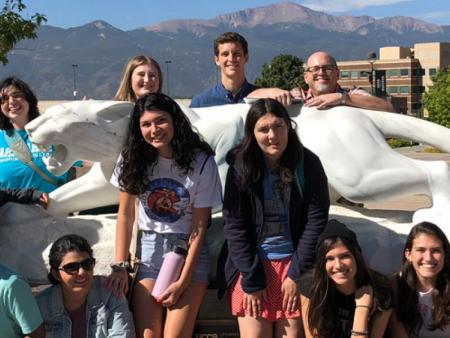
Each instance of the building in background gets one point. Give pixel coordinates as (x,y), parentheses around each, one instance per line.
(401,74)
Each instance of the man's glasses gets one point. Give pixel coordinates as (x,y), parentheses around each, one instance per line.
(325,68)
(73,268)
(16,96)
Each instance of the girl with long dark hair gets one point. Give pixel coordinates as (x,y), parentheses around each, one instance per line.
(19,105)
(167,166)
(275,207)
(341,297)
(423,285)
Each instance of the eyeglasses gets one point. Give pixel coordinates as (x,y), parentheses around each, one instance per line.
(325,68)
(16,96)
(74,267)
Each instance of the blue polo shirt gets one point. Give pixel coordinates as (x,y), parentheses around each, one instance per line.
(218,95)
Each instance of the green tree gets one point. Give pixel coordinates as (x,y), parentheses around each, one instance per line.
(437,99)
(284,71)
(13,27)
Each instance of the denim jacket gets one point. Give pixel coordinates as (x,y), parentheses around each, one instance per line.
(106,315)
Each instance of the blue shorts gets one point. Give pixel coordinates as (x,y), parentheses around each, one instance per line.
(152,248)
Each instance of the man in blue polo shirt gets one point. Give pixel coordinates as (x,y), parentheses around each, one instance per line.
(231,55)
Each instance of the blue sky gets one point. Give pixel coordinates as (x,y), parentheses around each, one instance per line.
(132,14)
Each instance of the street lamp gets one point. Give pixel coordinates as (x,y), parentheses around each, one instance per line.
(167,76)
(372,56)
(74,67)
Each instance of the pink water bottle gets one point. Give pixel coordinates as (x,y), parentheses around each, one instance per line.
(170,270)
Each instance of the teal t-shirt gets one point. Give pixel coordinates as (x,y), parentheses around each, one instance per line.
(14,174)
(19,312)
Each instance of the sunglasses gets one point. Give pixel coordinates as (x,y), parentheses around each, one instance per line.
(73,268)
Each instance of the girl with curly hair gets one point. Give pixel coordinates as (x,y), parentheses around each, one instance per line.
(167,166)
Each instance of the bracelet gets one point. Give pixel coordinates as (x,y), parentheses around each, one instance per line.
(366,306)
(119,266)
(360,333)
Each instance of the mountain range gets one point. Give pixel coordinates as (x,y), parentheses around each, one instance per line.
(100,50)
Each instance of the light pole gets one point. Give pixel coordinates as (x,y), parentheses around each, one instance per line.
(74,67)
(167,76)
(372,56)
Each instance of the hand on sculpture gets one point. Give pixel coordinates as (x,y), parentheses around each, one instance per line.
(298,93)
(281,95)
(324,101)
(253,302)
(291,298)
(44,200)
(117,282)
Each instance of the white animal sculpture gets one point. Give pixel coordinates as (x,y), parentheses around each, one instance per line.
(349,141)
(94,131)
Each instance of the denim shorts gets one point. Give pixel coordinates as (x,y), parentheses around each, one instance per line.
(152,248)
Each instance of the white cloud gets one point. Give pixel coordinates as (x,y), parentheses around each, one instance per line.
(434,15)
(347,5)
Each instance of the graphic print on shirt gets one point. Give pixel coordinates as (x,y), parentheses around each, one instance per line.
(166,200)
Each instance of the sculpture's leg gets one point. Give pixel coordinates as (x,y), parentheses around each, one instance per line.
(439,182)
(400,176)
(88,191)
(221,135)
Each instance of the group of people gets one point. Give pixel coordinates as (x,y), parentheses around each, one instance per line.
(286,269)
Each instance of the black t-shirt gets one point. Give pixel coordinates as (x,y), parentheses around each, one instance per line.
(342,313)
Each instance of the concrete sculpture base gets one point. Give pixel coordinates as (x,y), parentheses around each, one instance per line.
(24,245)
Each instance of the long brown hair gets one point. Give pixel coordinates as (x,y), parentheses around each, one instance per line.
(249,154)
(407,310)
(125,93)
(30,97)
(323,289)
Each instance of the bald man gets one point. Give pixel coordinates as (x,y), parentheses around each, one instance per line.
(322,75)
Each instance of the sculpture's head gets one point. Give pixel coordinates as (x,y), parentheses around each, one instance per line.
(80,130)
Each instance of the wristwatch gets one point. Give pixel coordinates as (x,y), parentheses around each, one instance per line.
(124,265)
(344,96)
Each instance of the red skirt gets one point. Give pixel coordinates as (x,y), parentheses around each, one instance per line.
(272,309)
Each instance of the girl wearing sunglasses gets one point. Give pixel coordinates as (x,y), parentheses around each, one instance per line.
(78,304)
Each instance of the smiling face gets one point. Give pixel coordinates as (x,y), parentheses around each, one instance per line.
(78,283)
(158,131)
(427,258)
(271,134)
(145,80)
(14,106)
(321,74)
(231,59)
(340,265)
